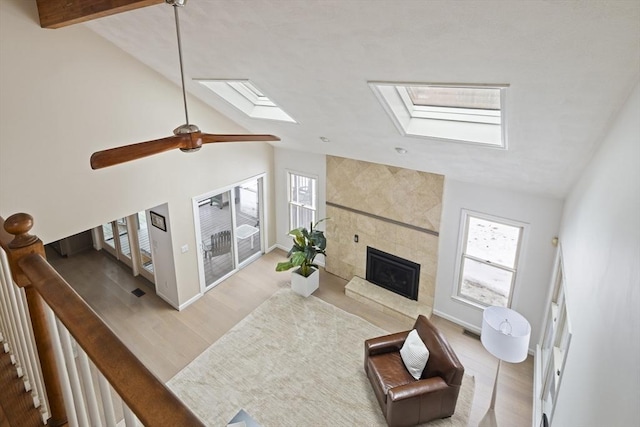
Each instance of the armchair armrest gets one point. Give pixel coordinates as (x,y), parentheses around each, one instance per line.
(385,344)
(418,388)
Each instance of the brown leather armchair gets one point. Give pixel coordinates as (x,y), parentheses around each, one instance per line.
(404,400)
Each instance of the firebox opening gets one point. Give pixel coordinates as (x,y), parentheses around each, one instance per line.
(396,274)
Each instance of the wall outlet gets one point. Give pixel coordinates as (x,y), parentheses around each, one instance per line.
(184,248)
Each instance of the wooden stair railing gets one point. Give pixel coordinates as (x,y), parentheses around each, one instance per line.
(17,242)
(149,399)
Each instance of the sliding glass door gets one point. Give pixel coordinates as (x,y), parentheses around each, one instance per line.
(247,214)
(216,225)
(228,230)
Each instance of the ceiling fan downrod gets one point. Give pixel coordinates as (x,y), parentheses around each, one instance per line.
(187,127)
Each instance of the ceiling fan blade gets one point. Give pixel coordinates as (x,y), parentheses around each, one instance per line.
(208,138)
(114,156)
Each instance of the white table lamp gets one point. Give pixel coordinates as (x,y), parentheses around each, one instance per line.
(505,334)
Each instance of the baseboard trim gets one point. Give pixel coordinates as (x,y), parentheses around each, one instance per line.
(190,301)
(167,300)
(457,321)
(272,248)
(471,327)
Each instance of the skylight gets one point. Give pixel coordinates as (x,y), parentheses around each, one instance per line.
(246,97)
(459,113)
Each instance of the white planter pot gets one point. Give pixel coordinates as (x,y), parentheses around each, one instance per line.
(305,286)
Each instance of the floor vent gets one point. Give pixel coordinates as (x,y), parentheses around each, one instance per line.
(138,292)
(470,334)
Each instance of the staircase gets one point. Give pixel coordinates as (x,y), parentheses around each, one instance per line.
(16,406)
(70,359)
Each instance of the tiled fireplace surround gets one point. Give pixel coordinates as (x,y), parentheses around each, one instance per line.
(391,209)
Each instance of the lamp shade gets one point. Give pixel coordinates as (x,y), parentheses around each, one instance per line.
(505,334)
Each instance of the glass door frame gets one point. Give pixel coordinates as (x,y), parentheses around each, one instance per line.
(116,249)
(260,212)
(139,264)
(261,179)
(204,286)
(135,260)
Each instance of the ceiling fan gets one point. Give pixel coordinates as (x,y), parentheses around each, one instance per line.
(187,137)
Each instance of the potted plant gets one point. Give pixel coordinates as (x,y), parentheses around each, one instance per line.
(306,245)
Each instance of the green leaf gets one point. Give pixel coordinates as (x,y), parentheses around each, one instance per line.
(298,258)
(318,239)
(296,233)
(284,266)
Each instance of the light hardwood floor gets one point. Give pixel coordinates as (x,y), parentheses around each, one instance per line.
(166,340)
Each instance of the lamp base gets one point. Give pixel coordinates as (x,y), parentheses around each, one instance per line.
(489,419)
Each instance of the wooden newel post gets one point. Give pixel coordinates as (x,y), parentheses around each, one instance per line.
(24,244)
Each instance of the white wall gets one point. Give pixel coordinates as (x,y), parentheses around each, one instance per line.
(600,239)
(296,161)
(161,250)
(66,93)
(542,214)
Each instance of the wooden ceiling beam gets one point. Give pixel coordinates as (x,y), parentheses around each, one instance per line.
(61,13)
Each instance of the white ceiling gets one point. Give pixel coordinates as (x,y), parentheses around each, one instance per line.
(570,66)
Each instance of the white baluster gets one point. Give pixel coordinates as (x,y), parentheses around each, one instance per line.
(72,372)
(130,419)
(21,335)
(65,385)
(31,363)
(90,390)
(8,309)
(35,361)
(31,360)
(19,346)
(107,402)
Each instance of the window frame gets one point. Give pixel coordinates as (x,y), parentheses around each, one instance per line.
(246,97)
(461,254)
(444,123)
(313,208)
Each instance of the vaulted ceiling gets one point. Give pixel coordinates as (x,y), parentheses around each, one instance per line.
(570,66)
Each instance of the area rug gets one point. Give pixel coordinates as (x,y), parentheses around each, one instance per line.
(293,361)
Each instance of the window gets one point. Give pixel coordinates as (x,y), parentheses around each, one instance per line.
(461,113)
(246,97)
(488,259)
(302,200)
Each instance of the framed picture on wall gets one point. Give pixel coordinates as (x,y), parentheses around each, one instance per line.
(158,221)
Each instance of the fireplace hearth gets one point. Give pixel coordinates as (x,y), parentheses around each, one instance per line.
(391,272)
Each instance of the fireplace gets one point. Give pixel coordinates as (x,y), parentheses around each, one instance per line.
(396,274)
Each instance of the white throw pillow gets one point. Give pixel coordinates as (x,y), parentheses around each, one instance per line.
(414,354)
